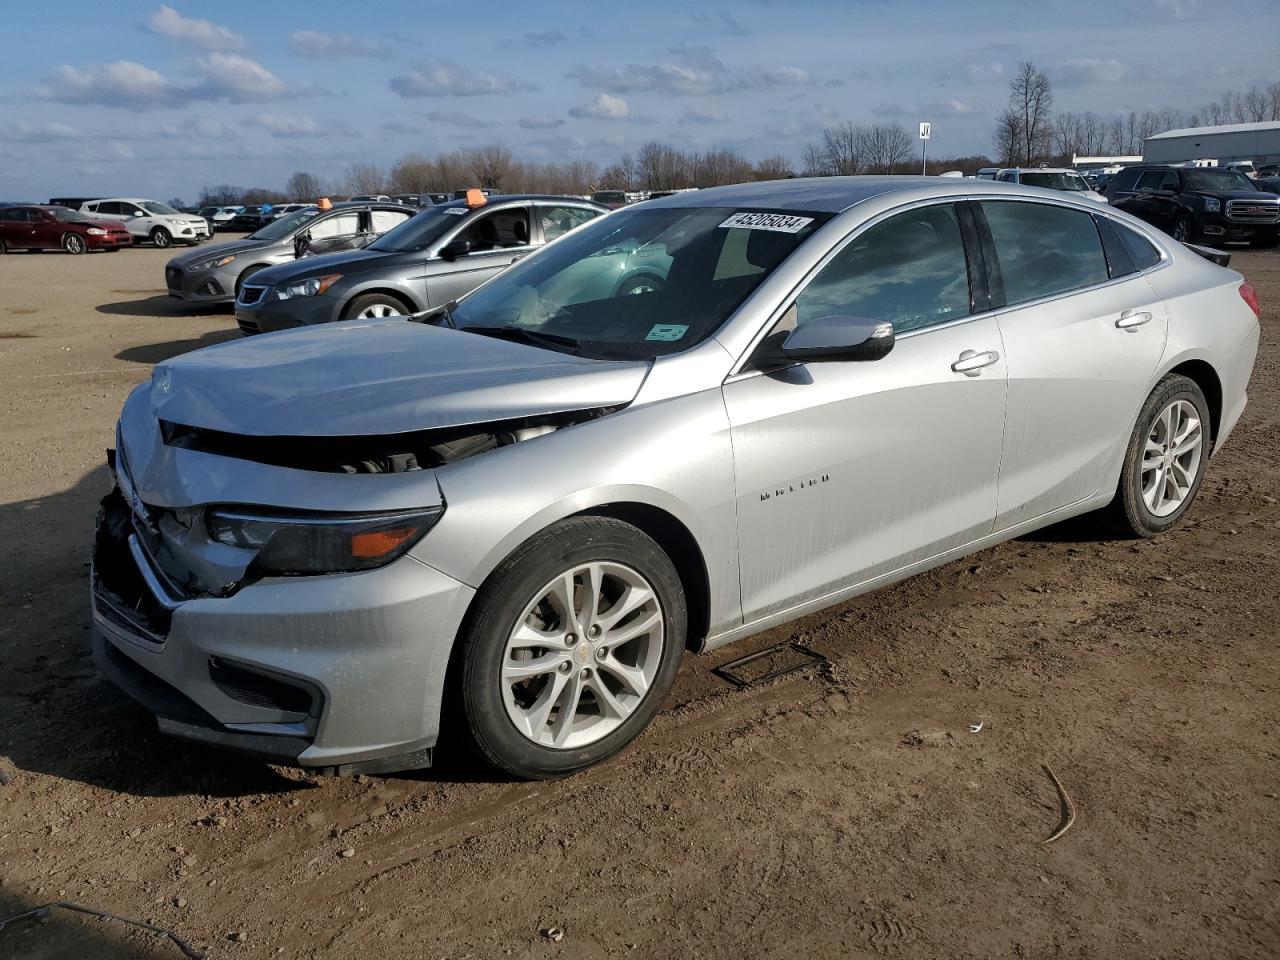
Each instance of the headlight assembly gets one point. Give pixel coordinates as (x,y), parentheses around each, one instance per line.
(215,262)
(300,544)
(1212,205)
(96,232)
(311,287)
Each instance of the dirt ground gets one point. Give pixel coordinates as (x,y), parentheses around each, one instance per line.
(843,812)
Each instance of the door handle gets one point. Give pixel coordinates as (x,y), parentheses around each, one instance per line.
(1132,319)
(971,362)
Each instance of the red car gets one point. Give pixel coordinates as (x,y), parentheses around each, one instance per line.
(51,228)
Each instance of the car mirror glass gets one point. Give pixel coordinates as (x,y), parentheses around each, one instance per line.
(454,250)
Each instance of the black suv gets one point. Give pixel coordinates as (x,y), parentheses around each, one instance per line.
(1196,204)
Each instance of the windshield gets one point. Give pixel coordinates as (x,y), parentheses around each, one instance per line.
(1055,181)
(279,229)
(155,206)
(419,231)
(1215,180)
(639,283)
(62,213)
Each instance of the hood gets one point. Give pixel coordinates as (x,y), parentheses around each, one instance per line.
(101,224)
(1225,195)
(373,378)
(207,252)
(345,261)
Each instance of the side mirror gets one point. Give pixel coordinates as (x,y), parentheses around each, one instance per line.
(300,244)
(828,338)
(452,251)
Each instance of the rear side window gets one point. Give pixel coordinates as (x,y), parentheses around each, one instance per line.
(384,220)
(1044,250)
(557,221)
(1142,251)
(909,270)
(1119,263)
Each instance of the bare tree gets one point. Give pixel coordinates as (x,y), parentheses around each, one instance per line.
(662,167)
(883,147)
(813,161)
(493,165)
(414,173)
(718,167)
(1008,137)
(1066,135)
(1031,98)
(365,178)
(776,167)
(303,186)
(840,150)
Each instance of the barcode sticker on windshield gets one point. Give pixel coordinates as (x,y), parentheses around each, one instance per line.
(779,222)
(668,332)
(457,211)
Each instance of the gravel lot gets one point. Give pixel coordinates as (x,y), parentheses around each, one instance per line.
(845,812)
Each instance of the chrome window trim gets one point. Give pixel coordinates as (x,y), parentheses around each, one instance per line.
(736,371)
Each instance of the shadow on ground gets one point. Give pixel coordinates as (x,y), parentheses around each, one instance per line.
(61,934)
(150,353)
(162,305)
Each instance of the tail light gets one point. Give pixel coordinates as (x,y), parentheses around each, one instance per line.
(1250,296)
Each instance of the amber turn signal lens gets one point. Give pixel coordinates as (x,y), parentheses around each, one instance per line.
(369,546)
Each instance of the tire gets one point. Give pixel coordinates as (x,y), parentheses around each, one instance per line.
(516,724)
(1138,509)
(371,306)
(4,248)
(162,238)
(248,272)
(639,284)
(1184,229)
(74,244)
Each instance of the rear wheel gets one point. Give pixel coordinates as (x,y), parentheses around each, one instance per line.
(639,284)
(372,306)
(161,238)
(1184,229)
(240,280)
(573,643)
(1165,460)
(73,243)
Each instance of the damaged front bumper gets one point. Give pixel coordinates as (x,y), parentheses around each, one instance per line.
(340,671)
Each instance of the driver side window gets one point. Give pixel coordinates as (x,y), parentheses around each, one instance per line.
(498,230)
(909,270)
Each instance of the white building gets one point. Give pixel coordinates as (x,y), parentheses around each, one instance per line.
(1259,142)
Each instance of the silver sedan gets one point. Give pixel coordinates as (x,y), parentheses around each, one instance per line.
(504,520)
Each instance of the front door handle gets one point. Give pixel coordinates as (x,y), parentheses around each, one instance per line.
(971,362)
(1132,319)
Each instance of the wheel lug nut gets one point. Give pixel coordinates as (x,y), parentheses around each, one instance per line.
(566,667)
(571,639)
(594,631)
(586,673)
(601,652)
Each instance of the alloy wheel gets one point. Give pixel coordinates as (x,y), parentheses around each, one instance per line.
(73,243)
(1171,457)
(377,310)
(583,655)
(1182,230)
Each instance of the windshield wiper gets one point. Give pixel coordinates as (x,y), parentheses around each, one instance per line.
(535,337)
(444,311)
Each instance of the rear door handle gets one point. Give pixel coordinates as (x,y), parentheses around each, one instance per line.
(1132,319)
(971,362)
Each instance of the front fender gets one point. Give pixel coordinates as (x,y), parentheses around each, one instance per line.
(674,455)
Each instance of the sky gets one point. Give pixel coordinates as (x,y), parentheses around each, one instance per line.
(157,100)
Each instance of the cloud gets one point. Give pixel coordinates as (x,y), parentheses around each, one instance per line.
(396,127)
(458,118)
(1178,9)
(725,23)
(290,126)
(1084,71)
(219,76)
(603,107)
(694,115)
(991,71)
(316,45)
(46,132)
(695,70)
(540,123)
(206,127)
(445,79)
(548,38)
(205,34)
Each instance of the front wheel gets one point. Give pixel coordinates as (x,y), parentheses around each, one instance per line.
(161,238)
(1165,460)
(373,306)
(573,643)
(640,284)
(1184,229)
(74,244)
